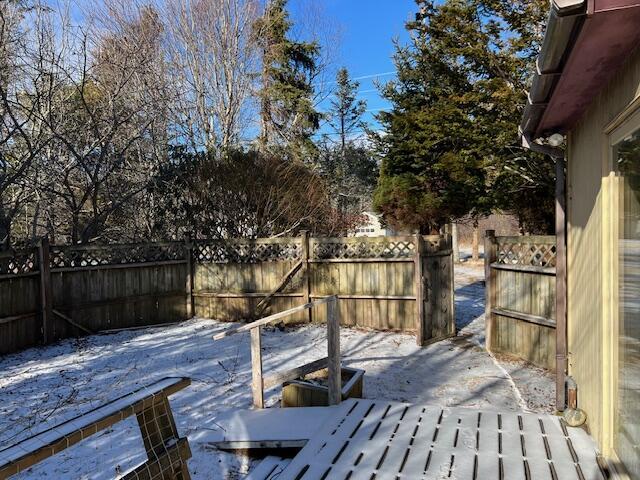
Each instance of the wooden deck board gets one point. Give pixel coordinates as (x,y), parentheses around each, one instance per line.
(389,440)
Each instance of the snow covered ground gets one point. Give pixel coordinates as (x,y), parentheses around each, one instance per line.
(43,386)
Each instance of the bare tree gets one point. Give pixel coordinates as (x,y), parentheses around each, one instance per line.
(22,138)
(213,59)
(92,112)
(90,95)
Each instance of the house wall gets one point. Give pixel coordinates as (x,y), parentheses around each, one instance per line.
(591,210)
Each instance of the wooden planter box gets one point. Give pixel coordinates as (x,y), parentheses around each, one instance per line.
(312,391)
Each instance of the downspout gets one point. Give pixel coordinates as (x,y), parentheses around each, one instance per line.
(566,19)
(558,156)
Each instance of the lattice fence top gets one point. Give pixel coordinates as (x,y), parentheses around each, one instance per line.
(535,252)
(247,251)
(103,255)
(362,247)
(18,262)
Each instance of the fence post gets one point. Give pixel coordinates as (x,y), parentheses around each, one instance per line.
(333,353)
(452,288)
(188,249)
(455,247)
(46,300)
(306,280)
(418,280)
(257,382)
(490,256)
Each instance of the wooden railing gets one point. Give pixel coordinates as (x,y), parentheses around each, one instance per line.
(167,453)
(260,383)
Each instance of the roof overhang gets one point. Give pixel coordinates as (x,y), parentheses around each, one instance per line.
(586,42)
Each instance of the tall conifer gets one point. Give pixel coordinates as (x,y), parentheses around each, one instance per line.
(287,113)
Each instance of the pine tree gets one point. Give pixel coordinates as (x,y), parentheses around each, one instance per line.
(346,111)
(288,116)
(348,166)
(451,143)
(431,170)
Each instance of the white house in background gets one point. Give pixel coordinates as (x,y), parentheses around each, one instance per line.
(370,226)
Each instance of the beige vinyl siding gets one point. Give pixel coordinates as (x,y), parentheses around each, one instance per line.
(591,192)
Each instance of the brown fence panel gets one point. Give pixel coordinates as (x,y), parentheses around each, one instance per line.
(232,276)
(373,276)
(20,321)
(521,297)
(439,316)
(375,279)
(117,286)
(92,288)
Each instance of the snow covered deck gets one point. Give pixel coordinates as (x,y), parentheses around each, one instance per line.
(367,439)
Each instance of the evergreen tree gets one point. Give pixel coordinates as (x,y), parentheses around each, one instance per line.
(288,116)
(345,113)
(431,169)
(349,167)
(451,143)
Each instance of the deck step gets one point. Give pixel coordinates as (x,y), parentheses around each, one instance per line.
(268,428)
(269,468)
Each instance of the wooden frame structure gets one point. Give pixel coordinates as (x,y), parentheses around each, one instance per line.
(260,383)
(167,452)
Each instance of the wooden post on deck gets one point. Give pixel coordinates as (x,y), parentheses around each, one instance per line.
(490,256)
(46,298)
(306,280)
(418,281)
(257,382)
(333,346)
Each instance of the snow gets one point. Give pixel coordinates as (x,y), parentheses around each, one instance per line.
(41,387)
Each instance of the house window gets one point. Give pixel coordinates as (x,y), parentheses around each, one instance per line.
(626,154)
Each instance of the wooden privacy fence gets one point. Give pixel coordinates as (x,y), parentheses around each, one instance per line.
(51,292)
(402,283)
(520,297)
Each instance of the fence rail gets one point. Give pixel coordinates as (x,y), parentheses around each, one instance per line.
(520,297)
(51,292)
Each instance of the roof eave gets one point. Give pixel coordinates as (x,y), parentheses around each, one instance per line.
(563,24)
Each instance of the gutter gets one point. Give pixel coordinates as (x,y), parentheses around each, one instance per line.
(563,25)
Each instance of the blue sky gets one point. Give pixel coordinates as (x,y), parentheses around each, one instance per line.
(367,29)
